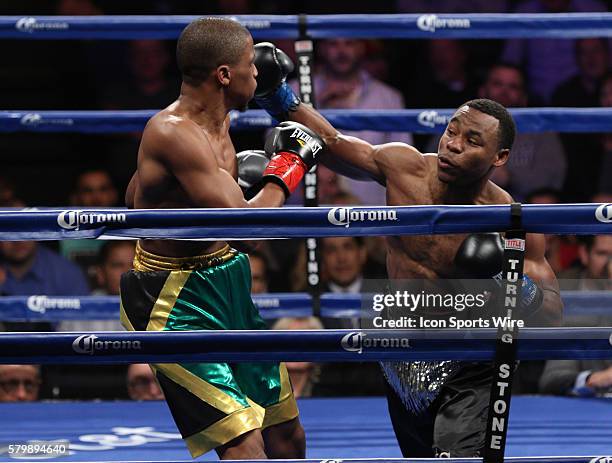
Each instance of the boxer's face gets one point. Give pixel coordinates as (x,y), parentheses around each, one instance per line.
(468,149)
(243,74)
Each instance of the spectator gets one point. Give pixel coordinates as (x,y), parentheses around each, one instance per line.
(93,188)
(259,272)
(548,61)
(585,378)
(537,160)
(595,252)
(605,179)
(344,268)
(449,83)
(343,259)
(582,89)
(588,160)
(303,375)
(116,258)
(7,192)
(19,383)
(330,185)
(32,269)
(342,82)
(141,383)
(149,84)
(561,250)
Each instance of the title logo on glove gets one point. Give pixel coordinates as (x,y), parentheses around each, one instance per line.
(306,140)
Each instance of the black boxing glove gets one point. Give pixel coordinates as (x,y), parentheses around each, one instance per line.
(273,93)
(293,149)
(251,166)
(481,255)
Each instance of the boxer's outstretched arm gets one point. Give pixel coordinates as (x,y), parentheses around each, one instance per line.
(342,151)
(182,149)
(539,270)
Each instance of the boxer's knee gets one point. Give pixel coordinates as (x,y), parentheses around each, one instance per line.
(248,446)
(285,440)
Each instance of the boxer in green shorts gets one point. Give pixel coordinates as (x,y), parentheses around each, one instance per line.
(186,160)
(209,401)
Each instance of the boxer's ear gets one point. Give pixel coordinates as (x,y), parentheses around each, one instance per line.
(501,157)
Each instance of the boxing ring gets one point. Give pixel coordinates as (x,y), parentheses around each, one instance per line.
(345,428)
(338,428)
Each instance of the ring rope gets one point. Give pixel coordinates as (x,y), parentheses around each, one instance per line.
(397,26)
(582,120)
(298,345)
(294,222)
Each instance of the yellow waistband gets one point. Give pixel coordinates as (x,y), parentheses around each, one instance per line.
(145,261)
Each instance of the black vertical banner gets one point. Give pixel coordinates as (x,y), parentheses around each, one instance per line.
(507,341)
(304,53)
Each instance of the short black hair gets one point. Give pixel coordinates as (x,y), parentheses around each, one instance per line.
(507,129)
(207,43)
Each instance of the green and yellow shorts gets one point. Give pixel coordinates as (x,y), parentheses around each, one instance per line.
(212,403)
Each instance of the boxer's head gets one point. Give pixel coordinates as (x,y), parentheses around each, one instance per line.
(478,138)
(218,51)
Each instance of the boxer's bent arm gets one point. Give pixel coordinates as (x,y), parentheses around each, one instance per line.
(350,150)
(188,155)
(539,270)
(130,192)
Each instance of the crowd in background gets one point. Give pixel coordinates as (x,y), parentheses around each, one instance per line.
(93,170)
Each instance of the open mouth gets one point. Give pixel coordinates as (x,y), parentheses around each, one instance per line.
(444,163)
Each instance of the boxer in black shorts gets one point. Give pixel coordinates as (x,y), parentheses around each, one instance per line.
(437,408)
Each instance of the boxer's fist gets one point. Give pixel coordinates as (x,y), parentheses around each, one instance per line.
(481,255)
(273,93)
(251,166)
(293,149)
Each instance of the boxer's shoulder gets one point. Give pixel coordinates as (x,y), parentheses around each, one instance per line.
(494,194)
(400,158)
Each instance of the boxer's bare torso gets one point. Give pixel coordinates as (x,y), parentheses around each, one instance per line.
(155,186)
(413,180)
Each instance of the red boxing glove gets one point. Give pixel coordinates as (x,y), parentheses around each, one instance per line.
(293,149)
(287,170)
